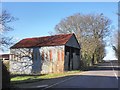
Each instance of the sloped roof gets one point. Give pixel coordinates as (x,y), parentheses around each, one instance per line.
(54,40)
(6,56)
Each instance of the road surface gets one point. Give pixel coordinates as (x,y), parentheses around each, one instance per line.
(104,76)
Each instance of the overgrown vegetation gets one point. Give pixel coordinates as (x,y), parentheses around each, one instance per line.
(90,31)
(117,42)
(5,42)
(116,47)
(5,19)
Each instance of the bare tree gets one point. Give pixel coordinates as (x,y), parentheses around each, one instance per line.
(116,39)
(116,47)
(5,41)
(5,19)
(89,29)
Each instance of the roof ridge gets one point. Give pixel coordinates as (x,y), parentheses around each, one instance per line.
(47,36)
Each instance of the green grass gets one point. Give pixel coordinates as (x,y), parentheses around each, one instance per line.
(47,76)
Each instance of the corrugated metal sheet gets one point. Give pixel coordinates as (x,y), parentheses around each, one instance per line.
(51,54)
(55,40)
(53,62)
(21,61)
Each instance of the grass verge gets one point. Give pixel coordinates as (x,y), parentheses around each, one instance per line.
(31,78)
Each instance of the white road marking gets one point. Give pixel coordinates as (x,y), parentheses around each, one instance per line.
(114,71)
(42,86)
(58,83)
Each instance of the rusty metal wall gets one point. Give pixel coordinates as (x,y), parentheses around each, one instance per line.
(42,60)
(52,59)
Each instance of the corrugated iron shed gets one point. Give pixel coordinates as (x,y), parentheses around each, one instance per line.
(55,40)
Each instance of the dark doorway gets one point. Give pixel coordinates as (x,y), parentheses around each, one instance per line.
(69,58)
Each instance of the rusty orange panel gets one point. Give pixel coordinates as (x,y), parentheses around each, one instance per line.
(62,53)
(50,52)
(60,66)
(58,55)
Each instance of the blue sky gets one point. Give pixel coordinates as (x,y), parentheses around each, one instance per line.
(38,19)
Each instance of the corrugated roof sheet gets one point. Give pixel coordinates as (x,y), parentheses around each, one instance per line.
(55,40)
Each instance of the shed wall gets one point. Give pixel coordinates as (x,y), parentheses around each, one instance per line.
(21,61)
(52,59)
(42,60)
(73,42)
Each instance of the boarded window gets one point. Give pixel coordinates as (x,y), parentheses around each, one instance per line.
(43,55)
(50,52)
(58,55)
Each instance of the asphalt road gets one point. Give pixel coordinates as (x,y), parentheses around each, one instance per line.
(104,76)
